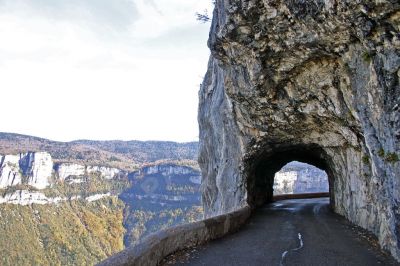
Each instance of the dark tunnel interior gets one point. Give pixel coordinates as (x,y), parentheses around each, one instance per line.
(267,164)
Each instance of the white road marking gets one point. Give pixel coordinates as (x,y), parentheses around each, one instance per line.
(287,251)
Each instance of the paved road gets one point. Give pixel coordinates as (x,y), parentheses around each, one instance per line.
(292,232)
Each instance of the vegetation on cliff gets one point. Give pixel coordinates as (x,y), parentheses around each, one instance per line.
(84,217)
(70,233)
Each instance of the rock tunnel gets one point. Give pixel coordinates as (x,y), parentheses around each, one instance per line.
(261,180)
(312,81)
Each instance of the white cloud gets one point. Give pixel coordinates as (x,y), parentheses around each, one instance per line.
(137,79)
(116,14)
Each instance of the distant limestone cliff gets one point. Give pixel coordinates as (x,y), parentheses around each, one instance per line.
(34,169)
(296,177)
(38,170)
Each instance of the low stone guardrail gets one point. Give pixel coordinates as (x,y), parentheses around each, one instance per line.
(154,248)
(151,250)
(301,196)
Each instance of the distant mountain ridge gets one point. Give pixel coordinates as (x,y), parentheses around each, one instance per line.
(125,155)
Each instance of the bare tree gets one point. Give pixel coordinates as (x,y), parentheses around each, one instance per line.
(203,17)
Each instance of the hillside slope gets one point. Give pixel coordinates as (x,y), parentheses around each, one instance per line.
(124,155)
(71,233)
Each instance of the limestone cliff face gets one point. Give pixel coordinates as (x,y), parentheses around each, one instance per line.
(162,188)
(165,170)
(32,168)
(314,81)
(9,171)
(26,197)
(36,169)
(73,171)
(66,170)
(297,177)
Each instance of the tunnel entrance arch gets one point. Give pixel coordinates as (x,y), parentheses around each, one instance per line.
(300,178)
(267,163)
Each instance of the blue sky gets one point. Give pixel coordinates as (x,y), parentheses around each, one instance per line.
(102,69)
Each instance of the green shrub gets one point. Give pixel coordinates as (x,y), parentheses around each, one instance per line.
(391,157)
(115,159)
(365,159)
(381,153)
(366,56)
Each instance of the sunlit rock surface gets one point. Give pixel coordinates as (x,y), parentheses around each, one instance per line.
(26,197)
(36,169)
(106,172)
(165,170)
(9,171)
(32,168)
(297,177)
(74,173)
(66,170)
(312,81)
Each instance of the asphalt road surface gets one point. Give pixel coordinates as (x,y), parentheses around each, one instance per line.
(291,232)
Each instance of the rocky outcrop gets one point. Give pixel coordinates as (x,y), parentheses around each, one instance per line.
(97,197)
(160,188)
(106,172)
(72,170)
(37,168)
(298,177)
(312,81)
(26,197)
(284,183)
(65,170)
(9,171)
(32,168)
(163,186)
(165,170)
